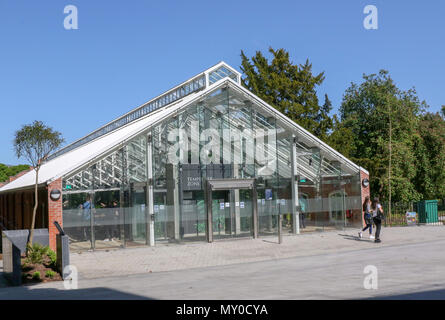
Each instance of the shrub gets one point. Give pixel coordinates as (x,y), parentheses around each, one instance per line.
(38,254)
(35,254)
(36,275)
(52,258)
(50,274)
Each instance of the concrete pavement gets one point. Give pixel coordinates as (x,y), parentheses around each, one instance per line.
(410,264)
(199,255)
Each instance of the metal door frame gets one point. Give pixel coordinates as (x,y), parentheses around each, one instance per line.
(229,184)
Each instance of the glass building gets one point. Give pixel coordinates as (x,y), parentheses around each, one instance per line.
(205,161)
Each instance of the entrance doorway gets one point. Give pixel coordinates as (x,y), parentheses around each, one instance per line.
(232,213)
(231,209)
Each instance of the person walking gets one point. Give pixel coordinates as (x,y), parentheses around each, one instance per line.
(367,217)
(377,216)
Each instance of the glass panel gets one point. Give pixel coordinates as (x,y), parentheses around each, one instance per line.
(135,217)
(77,220)
(107,219)
(221,73)
(193,216)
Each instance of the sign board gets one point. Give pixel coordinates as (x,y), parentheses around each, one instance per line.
(411,218)
(221,206)
(161,207)
(263,201)
(241,205)
(236,204)
(191,177)
(268,194)
(227,204)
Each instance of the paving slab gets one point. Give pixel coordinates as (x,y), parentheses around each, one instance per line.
(171,257)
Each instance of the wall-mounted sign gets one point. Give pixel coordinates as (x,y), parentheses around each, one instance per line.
(55,194)
(365,182)
(241,205)
(191,177)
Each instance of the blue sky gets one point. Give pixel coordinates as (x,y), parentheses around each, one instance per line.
(126,52)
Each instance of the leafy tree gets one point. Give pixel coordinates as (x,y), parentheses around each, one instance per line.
(383,120)
(288,87)
(430,153)
(340,139)
(35,142)
(9,171)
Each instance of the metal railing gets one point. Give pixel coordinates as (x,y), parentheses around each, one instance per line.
(397,216)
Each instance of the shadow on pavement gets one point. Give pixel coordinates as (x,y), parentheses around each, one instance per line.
(99,293)
(355,238)
(422,295)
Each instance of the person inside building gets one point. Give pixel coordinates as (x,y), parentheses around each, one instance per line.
(86,206)
(303,206)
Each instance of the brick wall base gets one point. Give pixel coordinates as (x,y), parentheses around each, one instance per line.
(54,213)
(366,192)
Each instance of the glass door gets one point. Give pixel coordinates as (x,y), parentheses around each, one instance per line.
(337,209)
(232,213)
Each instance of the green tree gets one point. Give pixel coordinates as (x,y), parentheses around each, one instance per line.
(383,120)
(340,139)
(9,171)
(35,142)
(288,87)
(430,154)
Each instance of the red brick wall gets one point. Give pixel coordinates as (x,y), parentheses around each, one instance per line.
(54,213)
(365,191)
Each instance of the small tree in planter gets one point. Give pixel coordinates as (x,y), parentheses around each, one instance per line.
(35,142)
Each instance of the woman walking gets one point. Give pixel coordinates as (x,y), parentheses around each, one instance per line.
(368,218)
(377,215)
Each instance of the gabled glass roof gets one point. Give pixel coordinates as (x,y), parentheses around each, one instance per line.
(325,159)
(220,73)
(197,83)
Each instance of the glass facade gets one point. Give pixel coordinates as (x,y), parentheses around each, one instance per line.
(155,188)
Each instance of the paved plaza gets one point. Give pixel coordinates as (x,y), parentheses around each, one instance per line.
(329,265)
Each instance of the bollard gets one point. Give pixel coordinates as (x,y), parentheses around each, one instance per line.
(280,227)
(63,254)
(63,251)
